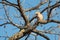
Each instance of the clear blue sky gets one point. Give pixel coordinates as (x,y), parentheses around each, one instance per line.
(13,12)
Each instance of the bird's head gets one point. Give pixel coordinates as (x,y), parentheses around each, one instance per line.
(37,13)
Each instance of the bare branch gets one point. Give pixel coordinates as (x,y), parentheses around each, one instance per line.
(22,12)
(41,34)
(30,28)
(18,35)
(6,12)
(52,7)
(55,5)
(27,37)
(46,21)
(32,19)
(21,34)
(18,26)
(4,23)
(37,6)
(46,32)
(10,4)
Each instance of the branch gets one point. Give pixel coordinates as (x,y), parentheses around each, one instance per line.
(36,7)
(10,4)
(32,19)
(52,7)
(4,23)
(41,34)
(6,12)
(55,5)
(46,21)
(22,12)
(55,21)
(46,32)
(27,36)
(20,34)
(11,22)
(18,26)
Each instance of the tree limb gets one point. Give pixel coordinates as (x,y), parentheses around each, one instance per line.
(52,7)
(4,23)
(18,26)
(55,5)
(10,4)
(36,7)
(41,34)
(22,12)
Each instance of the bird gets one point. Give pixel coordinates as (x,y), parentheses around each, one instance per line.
(39,16)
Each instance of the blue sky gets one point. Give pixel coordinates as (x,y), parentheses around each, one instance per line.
(10,29)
